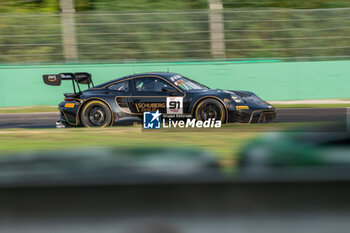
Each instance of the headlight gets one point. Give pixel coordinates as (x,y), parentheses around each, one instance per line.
(237,99)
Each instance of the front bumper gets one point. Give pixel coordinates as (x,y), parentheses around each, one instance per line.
(255,116)
(262,116)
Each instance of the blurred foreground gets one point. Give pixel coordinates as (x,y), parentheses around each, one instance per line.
(284,182)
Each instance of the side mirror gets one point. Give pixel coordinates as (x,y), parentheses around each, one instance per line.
(169,91)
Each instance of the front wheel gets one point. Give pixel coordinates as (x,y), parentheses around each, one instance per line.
(96,114)
(210,109)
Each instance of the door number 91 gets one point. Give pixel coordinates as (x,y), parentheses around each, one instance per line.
(174,105)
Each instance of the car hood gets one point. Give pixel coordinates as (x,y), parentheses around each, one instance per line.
(251,98)
(248,97)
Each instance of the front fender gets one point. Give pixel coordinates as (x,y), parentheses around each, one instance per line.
(195,102)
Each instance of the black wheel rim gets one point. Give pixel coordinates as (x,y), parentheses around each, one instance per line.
(210,111)
(97,116)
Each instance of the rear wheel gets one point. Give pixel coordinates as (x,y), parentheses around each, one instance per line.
(96,114)
(210,109)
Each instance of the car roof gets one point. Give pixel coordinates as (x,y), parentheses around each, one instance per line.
(166,75)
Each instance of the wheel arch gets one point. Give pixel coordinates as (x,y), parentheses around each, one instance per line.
(198,101)
(86,101)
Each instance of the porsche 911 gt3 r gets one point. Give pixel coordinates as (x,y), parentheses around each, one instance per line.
(125,99)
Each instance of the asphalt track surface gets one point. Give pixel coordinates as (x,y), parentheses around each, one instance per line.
(48,120)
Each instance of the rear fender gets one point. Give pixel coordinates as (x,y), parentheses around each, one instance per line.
(69,110)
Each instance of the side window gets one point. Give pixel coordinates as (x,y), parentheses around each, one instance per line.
(151,84)
(122,86)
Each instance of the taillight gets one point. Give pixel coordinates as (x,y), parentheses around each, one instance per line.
(68,99)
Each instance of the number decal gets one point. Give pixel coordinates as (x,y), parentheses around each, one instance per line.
(174,105)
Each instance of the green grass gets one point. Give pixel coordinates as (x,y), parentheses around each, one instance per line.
(224,144)
(29,109)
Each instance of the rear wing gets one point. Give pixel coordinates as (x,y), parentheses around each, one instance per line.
(77,78)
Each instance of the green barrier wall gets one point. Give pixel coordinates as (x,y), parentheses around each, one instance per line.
(23,85)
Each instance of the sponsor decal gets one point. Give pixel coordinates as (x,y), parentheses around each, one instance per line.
(151,120)
(149,107)
(174,105)
(242,107)
(52,78)
(69,105)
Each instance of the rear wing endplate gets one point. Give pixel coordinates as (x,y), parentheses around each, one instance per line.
(77,78)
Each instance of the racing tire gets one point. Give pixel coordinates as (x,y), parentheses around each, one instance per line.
(95,113)
(210,109)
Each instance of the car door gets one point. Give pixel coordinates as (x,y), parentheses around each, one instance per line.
(151,93)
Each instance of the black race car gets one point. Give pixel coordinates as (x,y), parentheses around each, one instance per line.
(125,99)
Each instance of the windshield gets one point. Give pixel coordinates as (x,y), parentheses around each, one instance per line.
(187,84)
